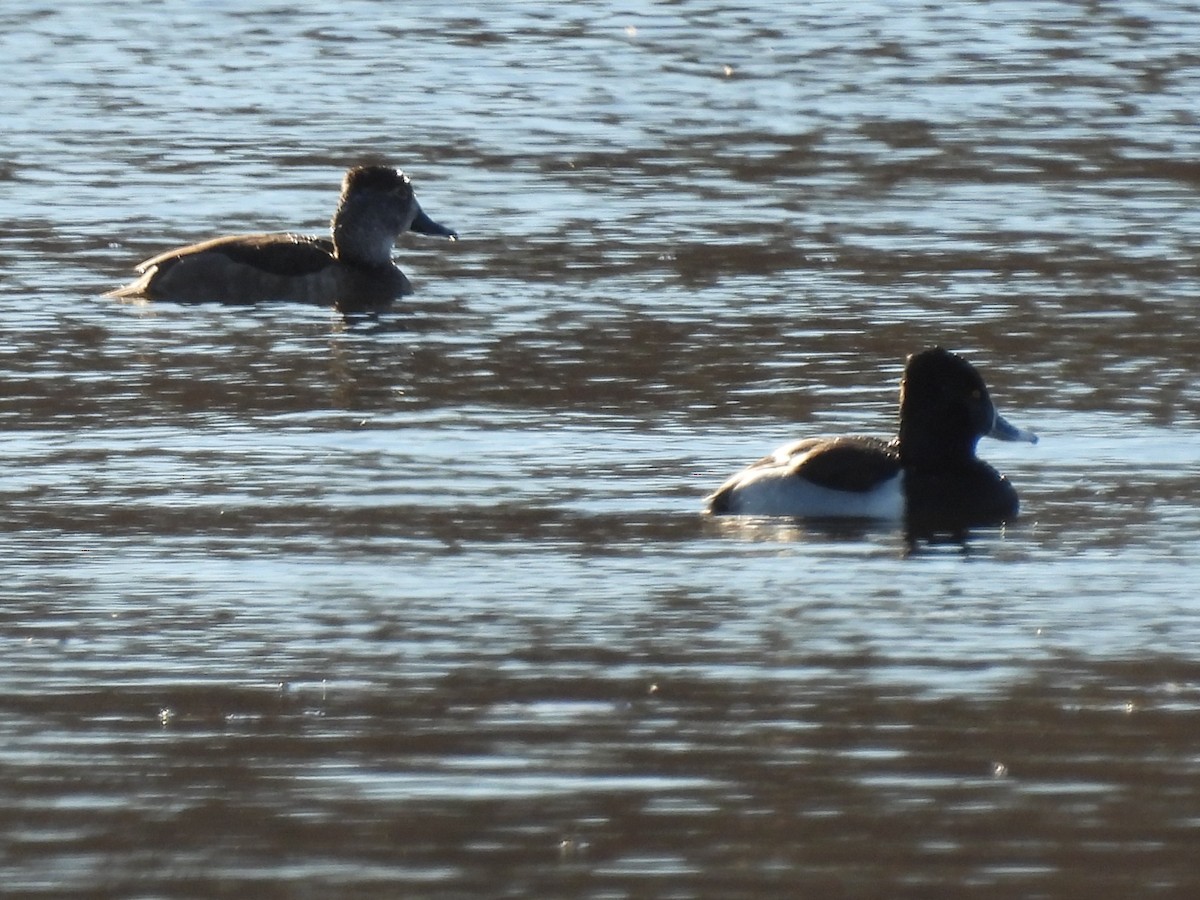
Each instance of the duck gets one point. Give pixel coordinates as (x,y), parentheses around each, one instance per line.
(353,269)
(927,476)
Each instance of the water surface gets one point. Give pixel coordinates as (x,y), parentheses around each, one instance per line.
(423,604)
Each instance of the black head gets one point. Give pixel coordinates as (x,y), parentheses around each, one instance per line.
(945,409)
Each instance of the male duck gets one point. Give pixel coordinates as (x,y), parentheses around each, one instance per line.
(928,475)
(355,269)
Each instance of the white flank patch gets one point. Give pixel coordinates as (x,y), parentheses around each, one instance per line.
(771,491)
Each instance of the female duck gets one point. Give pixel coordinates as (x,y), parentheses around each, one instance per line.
(354,269)
(928,475)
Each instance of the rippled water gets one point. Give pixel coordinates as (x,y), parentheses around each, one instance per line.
(423,604)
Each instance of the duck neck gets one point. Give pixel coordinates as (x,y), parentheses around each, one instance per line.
(361,236)
(935,444)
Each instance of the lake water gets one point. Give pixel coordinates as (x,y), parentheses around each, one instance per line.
(423,604)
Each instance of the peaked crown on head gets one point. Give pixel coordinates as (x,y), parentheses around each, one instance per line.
(376,178)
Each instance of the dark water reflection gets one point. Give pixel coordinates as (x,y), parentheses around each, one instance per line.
(422,604)
(562,771)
